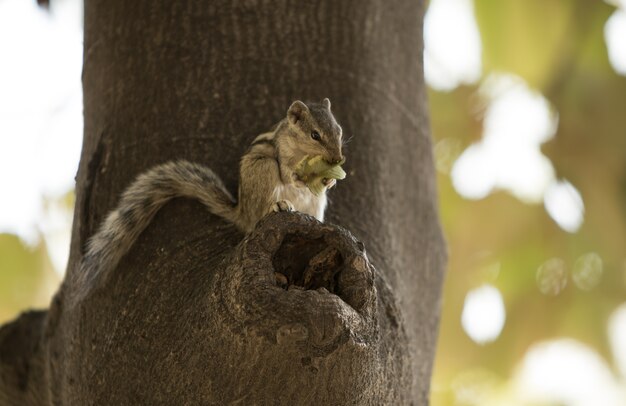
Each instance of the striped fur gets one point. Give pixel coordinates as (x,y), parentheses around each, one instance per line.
(267,182)
(141,201)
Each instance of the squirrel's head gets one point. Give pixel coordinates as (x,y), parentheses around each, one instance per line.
(316,130)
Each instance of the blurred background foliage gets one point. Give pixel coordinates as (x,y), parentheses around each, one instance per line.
(528,116)
(531,308)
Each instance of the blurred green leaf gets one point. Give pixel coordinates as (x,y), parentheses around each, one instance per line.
(26,277)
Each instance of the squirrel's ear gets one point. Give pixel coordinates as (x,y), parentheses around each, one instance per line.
(326,103)
(296,111)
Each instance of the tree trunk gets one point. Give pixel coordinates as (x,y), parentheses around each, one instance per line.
(192,315)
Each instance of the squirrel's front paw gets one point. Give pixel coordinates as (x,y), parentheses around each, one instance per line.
(283,205)
(329,183)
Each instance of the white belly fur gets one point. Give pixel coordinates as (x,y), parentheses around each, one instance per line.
(303,200)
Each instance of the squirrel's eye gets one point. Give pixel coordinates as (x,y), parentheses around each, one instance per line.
(315,135)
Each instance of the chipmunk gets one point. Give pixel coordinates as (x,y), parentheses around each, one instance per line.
(267,182)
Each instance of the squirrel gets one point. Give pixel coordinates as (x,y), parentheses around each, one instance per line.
(267,182)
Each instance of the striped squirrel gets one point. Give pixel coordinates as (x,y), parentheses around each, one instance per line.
(267,182)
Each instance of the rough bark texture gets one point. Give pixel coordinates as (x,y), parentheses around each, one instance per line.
(193,314)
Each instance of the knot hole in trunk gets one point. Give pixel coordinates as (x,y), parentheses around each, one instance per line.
(308,264)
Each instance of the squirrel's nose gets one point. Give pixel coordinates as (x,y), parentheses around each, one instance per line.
(337,160)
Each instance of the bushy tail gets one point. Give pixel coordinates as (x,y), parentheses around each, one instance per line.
(138,205)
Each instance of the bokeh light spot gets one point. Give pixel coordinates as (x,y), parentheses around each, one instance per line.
(614,35)
(567,372)
(552,276)
(474,386)
(452,46)
(517,121)
(587,271)
(483,314)
(565,205)
(447,150)
(617,337)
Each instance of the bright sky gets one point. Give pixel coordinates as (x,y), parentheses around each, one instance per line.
(40,119)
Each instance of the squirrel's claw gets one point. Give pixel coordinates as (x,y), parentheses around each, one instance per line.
(283,205)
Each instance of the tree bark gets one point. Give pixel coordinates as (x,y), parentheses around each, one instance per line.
(193,315)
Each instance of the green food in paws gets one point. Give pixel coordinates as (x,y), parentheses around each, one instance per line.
(313,171)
